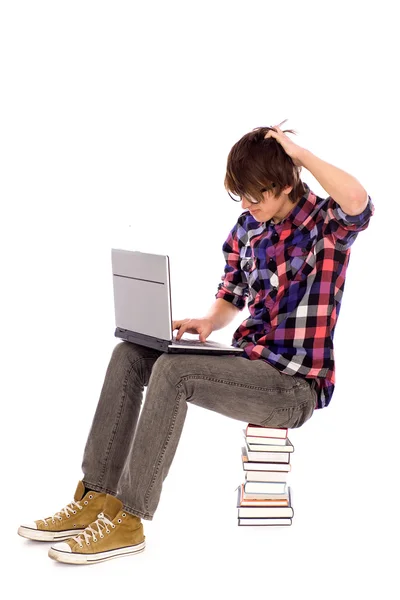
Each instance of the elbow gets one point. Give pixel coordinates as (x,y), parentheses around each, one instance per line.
(357,205)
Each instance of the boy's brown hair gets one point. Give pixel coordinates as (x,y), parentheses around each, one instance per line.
(255,164)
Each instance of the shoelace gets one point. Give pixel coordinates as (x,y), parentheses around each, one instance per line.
(101,523)
(64,511)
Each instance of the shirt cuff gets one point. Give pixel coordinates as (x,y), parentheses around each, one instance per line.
(357,219)
(238,301)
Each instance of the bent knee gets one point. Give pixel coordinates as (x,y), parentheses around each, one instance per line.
(171,366)
(132,351)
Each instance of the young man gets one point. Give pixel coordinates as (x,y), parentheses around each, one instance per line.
(287,256)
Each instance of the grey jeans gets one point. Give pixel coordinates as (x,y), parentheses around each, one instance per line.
(129,456)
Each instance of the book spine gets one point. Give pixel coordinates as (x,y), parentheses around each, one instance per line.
(265,487)
(266,476)
(264,521)
(269,448)
(265,457)
(268,432)
(256,513)
(277,467)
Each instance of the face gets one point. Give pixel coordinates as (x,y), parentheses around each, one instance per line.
(270,207)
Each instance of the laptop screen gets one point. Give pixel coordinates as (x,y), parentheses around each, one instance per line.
(142,296)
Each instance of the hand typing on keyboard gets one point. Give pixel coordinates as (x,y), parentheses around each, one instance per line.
(202,326)
(188,342)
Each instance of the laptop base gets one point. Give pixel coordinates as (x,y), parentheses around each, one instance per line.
(170,347)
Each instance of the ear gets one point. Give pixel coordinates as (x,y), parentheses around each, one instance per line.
(287,189)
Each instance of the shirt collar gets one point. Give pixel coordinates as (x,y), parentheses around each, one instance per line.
(301,210)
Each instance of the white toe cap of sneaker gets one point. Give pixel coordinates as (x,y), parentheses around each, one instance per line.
(62,547)
(30,525)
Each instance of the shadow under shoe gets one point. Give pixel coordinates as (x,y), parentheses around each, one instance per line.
(71,520)
(115,533)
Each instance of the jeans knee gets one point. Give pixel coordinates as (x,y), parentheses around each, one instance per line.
(169,366)
(121,350)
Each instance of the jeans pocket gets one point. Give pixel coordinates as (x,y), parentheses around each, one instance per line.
(279,418)
(291,417)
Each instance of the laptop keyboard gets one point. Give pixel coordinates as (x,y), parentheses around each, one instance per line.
(197,343)
(191,343)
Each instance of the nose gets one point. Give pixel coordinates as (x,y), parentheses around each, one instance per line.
(245,203)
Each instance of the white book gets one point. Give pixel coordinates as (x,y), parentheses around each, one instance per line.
(269,457)
(257,439)
(260,431)
(263,466)
(287,447)
(265,511)
(252,439)
(266,521)
(268,476)
(264,489)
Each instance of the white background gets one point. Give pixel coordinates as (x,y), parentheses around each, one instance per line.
(116,122)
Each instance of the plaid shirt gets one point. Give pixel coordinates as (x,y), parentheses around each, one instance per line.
(293,275)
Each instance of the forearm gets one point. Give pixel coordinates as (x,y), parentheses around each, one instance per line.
(221,313)
(342,187)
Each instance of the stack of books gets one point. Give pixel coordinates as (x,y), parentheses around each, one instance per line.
(265,498)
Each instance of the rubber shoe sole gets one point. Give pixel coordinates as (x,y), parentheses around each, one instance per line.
(74,558)
(38,535)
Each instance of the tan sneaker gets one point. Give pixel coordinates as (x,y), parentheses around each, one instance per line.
(71,520)
(115,533)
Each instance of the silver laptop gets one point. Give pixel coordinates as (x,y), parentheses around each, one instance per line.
(142,300)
